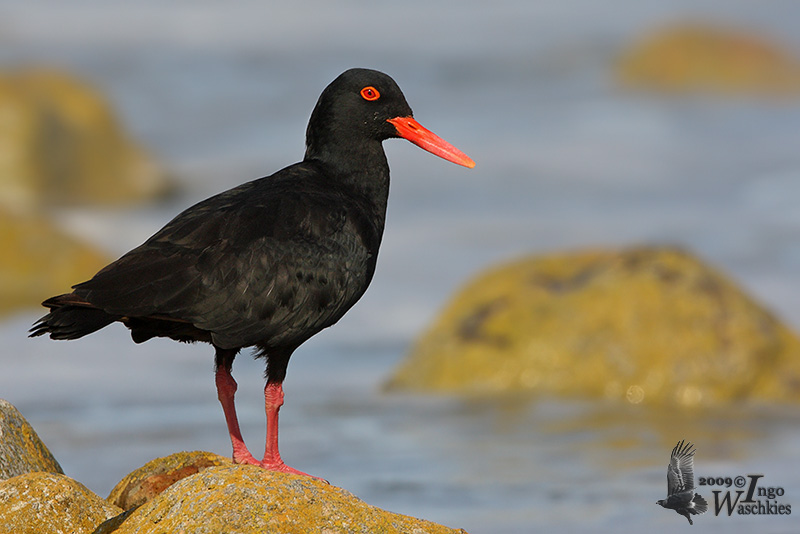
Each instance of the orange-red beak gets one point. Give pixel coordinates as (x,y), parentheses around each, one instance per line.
(409,128)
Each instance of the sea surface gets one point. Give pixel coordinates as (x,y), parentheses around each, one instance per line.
(221,92)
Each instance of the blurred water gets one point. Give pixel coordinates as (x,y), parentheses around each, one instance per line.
(222,92)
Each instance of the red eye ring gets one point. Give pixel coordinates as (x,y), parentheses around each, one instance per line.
(370,93)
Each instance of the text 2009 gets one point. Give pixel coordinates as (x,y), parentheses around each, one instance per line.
(717,481)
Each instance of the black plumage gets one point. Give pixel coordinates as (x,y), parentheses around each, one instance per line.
(269,263)
(680,484)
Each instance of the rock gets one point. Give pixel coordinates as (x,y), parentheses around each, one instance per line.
(40,261)
(34,503)
(157,475)
(701,58)
(21,450)
(244,498)
(642,325)
(61,144)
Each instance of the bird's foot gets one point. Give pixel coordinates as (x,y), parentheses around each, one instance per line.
(273,465)
(243,456)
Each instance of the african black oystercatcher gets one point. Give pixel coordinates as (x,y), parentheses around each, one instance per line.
(269,263)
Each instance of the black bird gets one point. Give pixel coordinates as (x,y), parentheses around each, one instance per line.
(269,263)
(680,484)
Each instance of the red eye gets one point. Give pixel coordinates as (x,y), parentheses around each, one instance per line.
(370,93)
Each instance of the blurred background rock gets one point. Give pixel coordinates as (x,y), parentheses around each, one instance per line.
(651,326)
(63,145)
(60,145)
(694,57)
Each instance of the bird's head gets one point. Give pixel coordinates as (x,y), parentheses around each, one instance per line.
(363,106)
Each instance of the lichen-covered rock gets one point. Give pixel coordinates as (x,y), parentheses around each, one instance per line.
(61,144)
(39,260)
(644,325)
(21,450)
(155,476)
(700,58)
(244,498)
(35,503)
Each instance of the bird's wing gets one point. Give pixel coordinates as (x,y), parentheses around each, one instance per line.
(245,265)
(680,471)
(168,268)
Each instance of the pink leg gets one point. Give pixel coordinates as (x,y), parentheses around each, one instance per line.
(226,388)
(273,400)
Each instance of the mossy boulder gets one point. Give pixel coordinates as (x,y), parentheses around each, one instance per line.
(244,498)
(157,475)
(39,260)
(702,58)
(60,143)
(35,503)
(21,450)
(642,325)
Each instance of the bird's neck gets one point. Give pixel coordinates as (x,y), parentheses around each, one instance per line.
(360,167)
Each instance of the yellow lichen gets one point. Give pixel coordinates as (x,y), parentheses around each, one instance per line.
(155,476)
(34,503)
(250,499)
(21,450)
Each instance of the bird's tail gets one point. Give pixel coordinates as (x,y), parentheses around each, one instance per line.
(70,318)
(700,505)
